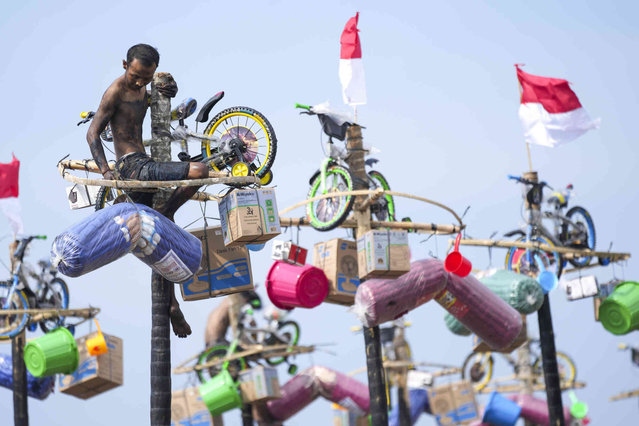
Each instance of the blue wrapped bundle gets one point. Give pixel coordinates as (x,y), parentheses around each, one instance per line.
(168,249)
(39,388)
(98,240)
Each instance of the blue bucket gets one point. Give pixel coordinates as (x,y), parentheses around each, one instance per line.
(501,411)
(546,279)
(255,247)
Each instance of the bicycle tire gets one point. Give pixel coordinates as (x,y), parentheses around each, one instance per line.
(222,125)
(106,196)
(485,362)
(589,228)
(388,206)
(517,261)
(322,214)
(291,341)
(12,325)
(218,351)
(568,378)
(59,299)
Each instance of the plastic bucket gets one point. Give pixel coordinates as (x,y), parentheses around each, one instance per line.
(501,411)
(535,410)
(55,352)
(456,263)
(220,394)
(292,286)
(97,345)
(546,279)
(619,312)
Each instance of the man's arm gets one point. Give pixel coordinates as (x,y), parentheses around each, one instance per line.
(100,119)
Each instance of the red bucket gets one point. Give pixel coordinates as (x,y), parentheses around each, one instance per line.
(292,286)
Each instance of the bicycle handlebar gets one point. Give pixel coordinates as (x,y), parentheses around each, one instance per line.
(306,107)
(23,243)
(528,182)
(87,116)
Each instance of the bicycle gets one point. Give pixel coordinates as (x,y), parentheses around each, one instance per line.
(574,229)
(478,366)
(334,176)
(277,331)
(238,139)
(16,294)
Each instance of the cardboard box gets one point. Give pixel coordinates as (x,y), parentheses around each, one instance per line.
(81,196)
(481,346)
(249,216)
(581,287)
(228,269)
(338,259)
(259,384)
(606,289)
(95,374)
(344,417)
(453,403)
(188,409)
(289,252)
(383,254)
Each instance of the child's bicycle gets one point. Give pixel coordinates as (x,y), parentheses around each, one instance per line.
(334,176)
(16,294)
(277,331)
(574,229)
(238,139)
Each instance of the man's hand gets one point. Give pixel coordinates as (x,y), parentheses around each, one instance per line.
(170,89)
(108,175)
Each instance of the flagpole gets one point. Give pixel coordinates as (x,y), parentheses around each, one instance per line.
(529,158)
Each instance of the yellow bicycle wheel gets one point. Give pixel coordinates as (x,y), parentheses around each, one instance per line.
(478,368)
(246,129)
(565,366)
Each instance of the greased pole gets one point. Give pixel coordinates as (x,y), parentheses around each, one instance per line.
(160,288)
(376,380)
(20,405)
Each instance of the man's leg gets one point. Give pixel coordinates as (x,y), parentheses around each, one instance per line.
(181,328)
(184,193)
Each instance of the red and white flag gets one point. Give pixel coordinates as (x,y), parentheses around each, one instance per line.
(9,204)
(351,69)
(550,112)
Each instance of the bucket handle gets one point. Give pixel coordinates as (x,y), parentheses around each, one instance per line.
(457,240)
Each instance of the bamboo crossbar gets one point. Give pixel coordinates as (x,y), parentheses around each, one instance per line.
(90,166)
(420,228)
(374,192)
(624,395)
(536,387)
(567,252)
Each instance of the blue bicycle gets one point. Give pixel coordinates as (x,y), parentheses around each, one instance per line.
(16,294)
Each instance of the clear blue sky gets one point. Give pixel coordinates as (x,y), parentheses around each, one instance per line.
(442,109)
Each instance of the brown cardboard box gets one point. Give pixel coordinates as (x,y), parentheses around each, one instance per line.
(229,268)
(188,408)
(481,346)
(338,259)
(453,403)
(259,383)
(383,254)
(343,417)
(249,216)
(95,374)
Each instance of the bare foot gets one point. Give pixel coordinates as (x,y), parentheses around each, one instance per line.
(181,328)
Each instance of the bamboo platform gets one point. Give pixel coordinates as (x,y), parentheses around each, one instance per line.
(37,315)
(624,395)
(520,387)
(254,352)
(372,195)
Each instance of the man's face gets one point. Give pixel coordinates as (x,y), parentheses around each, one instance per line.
(137,75)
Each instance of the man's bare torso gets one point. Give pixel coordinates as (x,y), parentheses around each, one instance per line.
(128,116)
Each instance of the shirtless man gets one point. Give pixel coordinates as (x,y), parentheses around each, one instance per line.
(124,105)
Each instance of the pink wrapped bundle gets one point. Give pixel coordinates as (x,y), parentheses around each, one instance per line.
(380,300)
(480,310)
(535,410)
(302,389)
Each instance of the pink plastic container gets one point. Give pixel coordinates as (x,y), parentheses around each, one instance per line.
(292,286)
(456,263)
(535,410)
(480,310)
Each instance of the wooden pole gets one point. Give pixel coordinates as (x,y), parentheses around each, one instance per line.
(160,288)
(376,381)
(20,406)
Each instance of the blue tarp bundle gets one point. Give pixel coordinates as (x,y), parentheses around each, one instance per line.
(39,388)
(418,405)
(112,232)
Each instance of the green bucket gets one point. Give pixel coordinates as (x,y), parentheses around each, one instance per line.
(55,352)
(619,312)
(220,394)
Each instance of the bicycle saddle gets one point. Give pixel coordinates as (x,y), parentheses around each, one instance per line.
(203,115)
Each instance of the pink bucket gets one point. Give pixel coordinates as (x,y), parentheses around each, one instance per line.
(292,286)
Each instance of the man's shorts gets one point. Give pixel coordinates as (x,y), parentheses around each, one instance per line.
(139,166)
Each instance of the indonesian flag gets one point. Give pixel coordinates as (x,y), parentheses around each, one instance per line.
(550,112)
(9,194)
(351,69)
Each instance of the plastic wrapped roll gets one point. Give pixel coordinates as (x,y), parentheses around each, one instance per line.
(39,388)
(481,311)
(455,326)
(297,393)
(98,240)
(380,300)
(520,291)
(418,405)
(535,410)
